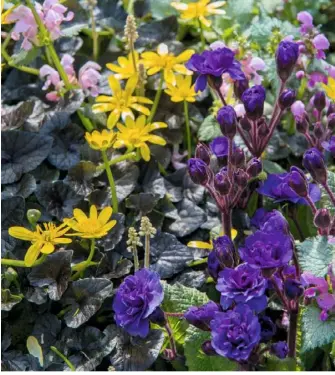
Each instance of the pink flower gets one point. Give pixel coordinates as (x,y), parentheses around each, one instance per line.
(53,16)
(331,71)
(320,43)
(53,79)
(306,21)
(300,74)
(316,77)
(298,109)
(240,110)
(250,66)
(89,77)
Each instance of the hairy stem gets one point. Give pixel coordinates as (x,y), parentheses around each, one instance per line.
(330,193)
(171,338)
(280,293)
(188,130)
(95,35)
(292,332)
(55,350)
(111,181)
(311,203)
(157,98)
(226,223)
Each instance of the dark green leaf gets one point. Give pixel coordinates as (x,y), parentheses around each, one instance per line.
(9,300)
(24,187)
(209,129)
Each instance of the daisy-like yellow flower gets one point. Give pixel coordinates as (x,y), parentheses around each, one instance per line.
(43,240)
(209,245)
(182,90)
(93,226)
(136,134)
(126,68)
(199,10)
(122,103)
(164,61)
(5,13)
(100,140)
(330,88)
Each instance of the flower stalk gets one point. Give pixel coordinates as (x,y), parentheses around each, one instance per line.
(95,35)
(188,130)
(128,156)
(132,242)
(148,231)
(171,339)
(111,181)
(21,263)
(81,267)
(157,99)
(66,360)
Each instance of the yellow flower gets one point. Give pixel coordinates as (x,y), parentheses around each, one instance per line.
(93,226)
(43,240)
(122,103)
(163,60)
(125,69)
(100,140)
(199,10)
(182,90)
(209,245)
(136,134)
(5,13)
(330,88)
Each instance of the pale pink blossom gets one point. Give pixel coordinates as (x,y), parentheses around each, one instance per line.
(300,74)
(240,110)
(251,66)
(320,43)
(89,77)
(298,109)
(306,21)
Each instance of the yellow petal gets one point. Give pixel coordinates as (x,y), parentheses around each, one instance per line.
(233,233)
(157,140)
(157,125)
(107,227)
(184,56)
(62,240)
(141,108)
(200,245)
(79,214)
(114,84)
(105,215)
(131,85)
(47,248)
(113,118)
(145,152)
(32,254)
(21,233)
(93,212)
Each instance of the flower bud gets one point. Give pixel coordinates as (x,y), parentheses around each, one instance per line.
(314,163)
(222,183)
(287,98)
(201,316)
(302,124)
(331,122)
(253,100)
(10,274)
(286,57)
(245,124)
(224,250)
(331,109)
(213,265)
(207,348)
(322,218)
(297,182)
(279,349)
(268,328)
(227,119)
(293,288)
(318,130)
(158,317)
(254,167)
(240,86)
(33,216)
(262,128)
(202,152)
(238,157)
(198,171)
(241,178)
(319,100)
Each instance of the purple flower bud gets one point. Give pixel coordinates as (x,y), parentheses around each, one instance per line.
(322,218)
(200,316)
(207,348)
(254,167)
(268,328)
(245,124)
(330,145)
(320,100)
(318,130)
(224,250)
(239,87)
(158,317)
(253,100)
(222,183)
(331,121)
(238,157)
(262,128)
(331,109)
(286,57)
(198,171)
(314,163)
(279,349)
(241,178)
(297,182)
(287,98)
(202,152)
(213,265)
(302,124)
(227,119)
(293,288)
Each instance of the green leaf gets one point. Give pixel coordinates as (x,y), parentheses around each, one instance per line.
(9,300)
(209,129)
(332,353)
(315,255)
(315,333)
(35,349)
(197,360)
(325,200)
(272,167)
(73,30)
(162,9)
(25,57)
(275,364)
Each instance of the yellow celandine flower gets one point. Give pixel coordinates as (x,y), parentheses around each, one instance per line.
(43,240)
(100,140)
(166,62)
(209,245)
(122,103)
(199,10)
(330,88)
(5,13)
(136,134)
(126,68)
(182,90)
(93,226)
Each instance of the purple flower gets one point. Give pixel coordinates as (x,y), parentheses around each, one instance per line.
(221,182)
(198,171)
(306,20)
(293,288)
(201,316)
(277,186)
(136,299)
(243,284)
(270,221)
(253,100)
(313,161)
(224,250)
(213,265)
(298,110)
(254,167)
(268,328)
(267,250)
(235,333)
(219,147)
(330,145)
(279,349)
(213,64)
(89,77)
(286,57)
(227,120)
(320,43)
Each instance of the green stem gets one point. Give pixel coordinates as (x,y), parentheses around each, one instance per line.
(48,57)
(55,350)
(202,37)
(95,36)
(59,66)
(157,98)
(111,181)
(188,130)
(92,251)
(86,122)
(136,262)
(130,156)
(20,263)
(88,262)
(147,251)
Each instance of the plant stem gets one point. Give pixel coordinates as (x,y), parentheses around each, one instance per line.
(85,121)
(111,181)
(95,35)
(88,262)
(92,251)
(136,262)
(292,332)
(55,350)
(330,193)
(172,314)
(280,293)
(171,338)
(229,161)
(130,156)
(226,223)
(188,130)
(147,251)
(20,263)
(202,37)
(311,203)
(157,98)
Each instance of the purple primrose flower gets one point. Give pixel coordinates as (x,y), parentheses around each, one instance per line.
(201,316)
(330,145)
(270,221)
(219,147)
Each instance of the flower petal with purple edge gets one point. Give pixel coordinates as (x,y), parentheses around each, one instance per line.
(200,83)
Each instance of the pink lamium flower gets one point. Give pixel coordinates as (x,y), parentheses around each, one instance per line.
(250,67)
(320,43)
(298,110)
(52,79)
(306,21)
(316,77)
(89,77)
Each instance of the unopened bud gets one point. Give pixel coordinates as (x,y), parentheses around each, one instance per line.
(302,125)
(224,250)
(33,216)
(227,120)
(254,167)
(240,86)
(241,178)
(287,98)
(198,171)
(207,348)
(313,161)
(222,183)
(331,122)
(245,124)
(297,182)
(320,100)
(238,157)
(318,130)
(286,57)
(202,152)
(331,109)
(293,288)
(322,218)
